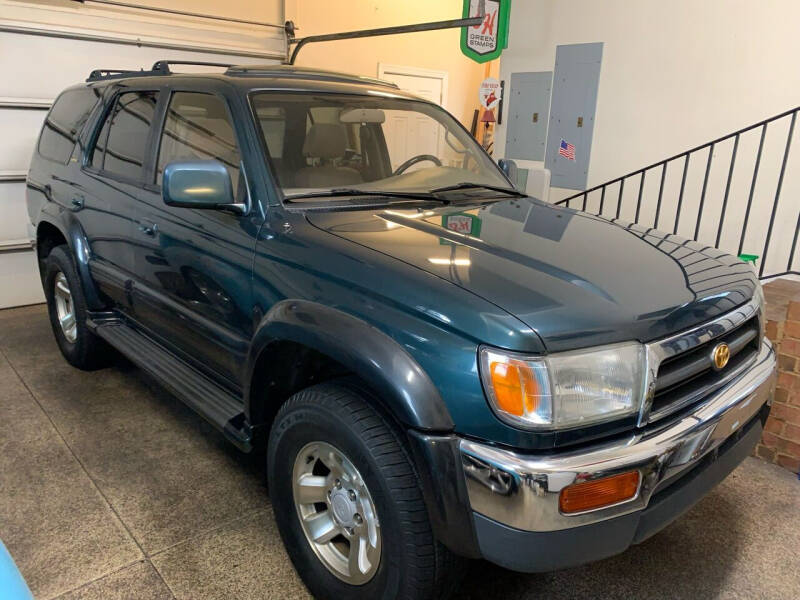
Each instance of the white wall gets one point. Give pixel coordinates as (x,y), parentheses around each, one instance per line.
(675,75)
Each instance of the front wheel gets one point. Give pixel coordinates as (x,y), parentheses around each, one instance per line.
(348,502)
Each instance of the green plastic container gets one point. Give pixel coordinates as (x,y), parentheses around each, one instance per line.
(751,258)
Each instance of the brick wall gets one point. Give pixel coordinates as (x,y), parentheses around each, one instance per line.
(781,440)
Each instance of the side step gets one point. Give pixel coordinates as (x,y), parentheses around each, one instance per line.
(214,403)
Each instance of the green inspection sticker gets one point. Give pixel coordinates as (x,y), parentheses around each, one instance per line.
(461,223)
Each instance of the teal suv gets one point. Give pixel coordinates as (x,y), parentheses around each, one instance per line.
(440,367)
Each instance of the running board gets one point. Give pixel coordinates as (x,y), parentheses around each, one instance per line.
(218,406)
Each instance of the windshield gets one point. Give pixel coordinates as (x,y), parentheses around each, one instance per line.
(327,144)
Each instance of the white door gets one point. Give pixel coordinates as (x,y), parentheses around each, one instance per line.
(412,134)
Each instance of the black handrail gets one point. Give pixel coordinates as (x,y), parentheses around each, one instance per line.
(679,213)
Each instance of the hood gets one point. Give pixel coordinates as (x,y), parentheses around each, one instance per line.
(577,280)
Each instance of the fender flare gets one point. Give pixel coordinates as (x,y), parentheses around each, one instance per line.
(78,244)
(399,381)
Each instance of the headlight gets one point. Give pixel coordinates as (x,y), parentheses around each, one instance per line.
(568,389)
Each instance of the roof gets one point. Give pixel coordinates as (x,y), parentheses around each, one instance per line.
(272,74)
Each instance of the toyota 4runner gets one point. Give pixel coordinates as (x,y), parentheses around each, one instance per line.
(439,366)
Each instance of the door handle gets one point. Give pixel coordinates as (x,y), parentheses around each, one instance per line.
(148,228)
(77,202)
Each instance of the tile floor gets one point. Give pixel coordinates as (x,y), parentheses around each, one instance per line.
(111,488)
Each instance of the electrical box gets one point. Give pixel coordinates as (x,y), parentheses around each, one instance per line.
(528,113)
(569,144)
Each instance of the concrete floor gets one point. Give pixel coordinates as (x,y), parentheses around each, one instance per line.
(111,488)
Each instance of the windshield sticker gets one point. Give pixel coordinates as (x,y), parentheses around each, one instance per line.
(461,223)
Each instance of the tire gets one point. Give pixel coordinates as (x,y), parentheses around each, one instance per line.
(82,348)
(341,415)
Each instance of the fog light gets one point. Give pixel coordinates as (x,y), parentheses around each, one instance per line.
(598,493)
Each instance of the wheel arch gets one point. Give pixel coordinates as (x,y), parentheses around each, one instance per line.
(51,232)
(344,341)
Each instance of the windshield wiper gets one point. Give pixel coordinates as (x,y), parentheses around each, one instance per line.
(468,185)
(340,192)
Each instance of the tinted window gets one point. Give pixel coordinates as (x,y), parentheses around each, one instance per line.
(198,127)
(65,122)
(100,145)
(126,145)
(329,141)
(273,127)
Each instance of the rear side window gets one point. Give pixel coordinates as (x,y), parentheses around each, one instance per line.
(198,127)
(121,147)
(65,121)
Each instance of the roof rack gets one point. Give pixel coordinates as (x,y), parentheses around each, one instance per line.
(160,67)
(163,65)
(292,72)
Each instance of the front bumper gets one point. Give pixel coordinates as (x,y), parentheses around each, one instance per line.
(515,496)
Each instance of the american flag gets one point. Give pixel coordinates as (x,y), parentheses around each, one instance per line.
(567,150)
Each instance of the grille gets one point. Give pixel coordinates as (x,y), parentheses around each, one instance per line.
(687,377)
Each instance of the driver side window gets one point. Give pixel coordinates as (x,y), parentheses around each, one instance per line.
(198,127)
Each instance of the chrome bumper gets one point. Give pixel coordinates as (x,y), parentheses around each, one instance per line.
(522,491)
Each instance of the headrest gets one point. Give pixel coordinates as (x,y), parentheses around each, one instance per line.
(325,140)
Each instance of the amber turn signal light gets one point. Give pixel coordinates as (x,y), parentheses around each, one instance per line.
(598,493)
(514,387)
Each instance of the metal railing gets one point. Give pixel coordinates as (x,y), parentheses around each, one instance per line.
(608,197)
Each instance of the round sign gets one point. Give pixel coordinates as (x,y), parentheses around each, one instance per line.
(489,93)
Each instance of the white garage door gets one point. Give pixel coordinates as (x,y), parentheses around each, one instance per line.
(47,46)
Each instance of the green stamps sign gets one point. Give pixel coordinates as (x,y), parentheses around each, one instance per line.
(486,41)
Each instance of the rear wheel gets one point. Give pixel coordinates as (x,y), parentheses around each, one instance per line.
(348,502)
(66,306)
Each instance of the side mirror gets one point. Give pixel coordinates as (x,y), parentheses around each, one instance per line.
(199,184)
(509,167)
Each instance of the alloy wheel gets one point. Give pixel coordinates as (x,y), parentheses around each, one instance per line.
(336,512)
(65,308)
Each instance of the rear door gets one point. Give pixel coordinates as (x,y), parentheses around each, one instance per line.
(193,267)
(106,197)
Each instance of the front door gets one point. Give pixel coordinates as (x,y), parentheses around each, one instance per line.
(193,267)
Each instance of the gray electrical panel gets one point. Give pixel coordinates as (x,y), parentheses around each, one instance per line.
(569,144)
(528,112)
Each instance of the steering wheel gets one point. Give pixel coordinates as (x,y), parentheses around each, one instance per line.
(414,160)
